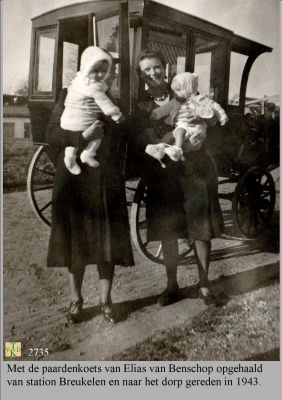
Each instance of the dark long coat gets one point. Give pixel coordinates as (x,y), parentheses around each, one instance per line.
(89,212)
(182,198)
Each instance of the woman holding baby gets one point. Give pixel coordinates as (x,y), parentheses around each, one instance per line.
(181,179)
(89,212)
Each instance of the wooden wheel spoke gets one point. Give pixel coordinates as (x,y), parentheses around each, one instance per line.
(253,202)
(46,206)
(42,188)
(44,171)
(159,250)
(265,194)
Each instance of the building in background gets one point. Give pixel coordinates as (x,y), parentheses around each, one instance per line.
(16,122)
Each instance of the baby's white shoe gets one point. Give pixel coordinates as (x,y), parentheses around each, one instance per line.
(72,166)
(175,153)
(89,159)
(156,151)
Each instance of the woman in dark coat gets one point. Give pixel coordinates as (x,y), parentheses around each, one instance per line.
(89,212)
(181,198)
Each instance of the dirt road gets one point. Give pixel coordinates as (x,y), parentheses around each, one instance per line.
(35,299)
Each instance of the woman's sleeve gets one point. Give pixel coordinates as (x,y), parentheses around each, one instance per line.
(55,135)
(139,119)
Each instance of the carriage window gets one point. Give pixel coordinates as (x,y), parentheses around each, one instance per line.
(45,61)
(203,69)
(70,62)
(108,32)
(173,48)
(209,59)
(237,64)
(108,38)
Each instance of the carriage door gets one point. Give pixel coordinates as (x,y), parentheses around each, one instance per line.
(106,31)
(210,65)
(73,39)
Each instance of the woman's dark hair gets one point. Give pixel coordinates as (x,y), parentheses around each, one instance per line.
(149,53)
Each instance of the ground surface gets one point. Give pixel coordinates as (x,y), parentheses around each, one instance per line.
(244,274)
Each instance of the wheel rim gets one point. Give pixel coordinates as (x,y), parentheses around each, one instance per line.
(253,202)
(150,250)
(40,184)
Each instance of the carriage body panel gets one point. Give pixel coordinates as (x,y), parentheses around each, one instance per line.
(222,59)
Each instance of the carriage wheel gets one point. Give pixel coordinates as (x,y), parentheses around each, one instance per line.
(253,202)
(150,250)
(40,184)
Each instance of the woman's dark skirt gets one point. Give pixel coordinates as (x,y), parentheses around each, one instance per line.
(89,218)
(182,199)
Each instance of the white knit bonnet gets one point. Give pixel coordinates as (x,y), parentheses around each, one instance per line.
(90,56)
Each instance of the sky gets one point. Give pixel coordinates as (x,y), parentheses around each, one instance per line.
(254,19)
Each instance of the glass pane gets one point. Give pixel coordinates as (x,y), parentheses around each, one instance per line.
(237,64)
(70,62)
(108,38)
(46,52)
(203,69)
(108,33)
(173,48)
(210,61)
(205,48)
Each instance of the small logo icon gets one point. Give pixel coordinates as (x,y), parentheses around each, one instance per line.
(13,349)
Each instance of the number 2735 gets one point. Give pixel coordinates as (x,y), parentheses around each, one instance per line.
(37,352)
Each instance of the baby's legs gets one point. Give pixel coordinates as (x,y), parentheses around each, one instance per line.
(175,152)
(179,134)
(88,154)
(70,160)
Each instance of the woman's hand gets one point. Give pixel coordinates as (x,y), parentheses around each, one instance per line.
(193,119)
(93,131)
(195,142)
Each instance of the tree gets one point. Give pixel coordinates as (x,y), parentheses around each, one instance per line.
(22,89)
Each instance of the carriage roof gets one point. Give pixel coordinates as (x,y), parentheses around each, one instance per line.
(106,7)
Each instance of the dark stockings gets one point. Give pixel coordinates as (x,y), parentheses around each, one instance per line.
(202,251)
(170,253)
(106,273)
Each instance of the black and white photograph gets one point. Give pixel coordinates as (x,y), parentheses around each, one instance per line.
(150,230)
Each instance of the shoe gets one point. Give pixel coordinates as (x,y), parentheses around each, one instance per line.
(168,297)
(108,313)
(208,298)
(75,311)
(89,159)
(175,153)
(157,151)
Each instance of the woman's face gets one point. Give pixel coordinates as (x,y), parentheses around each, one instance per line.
(152,71)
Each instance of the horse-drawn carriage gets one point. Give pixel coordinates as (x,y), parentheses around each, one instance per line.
(245,150)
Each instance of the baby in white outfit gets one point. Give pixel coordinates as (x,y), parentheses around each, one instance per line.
(189,104)
(86,101)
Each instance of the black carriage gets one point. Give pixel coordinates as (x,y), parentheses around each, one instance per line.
(246,150)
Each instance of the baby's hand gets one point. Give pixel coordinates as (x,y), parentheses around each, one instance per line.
(118,118)
(193,119)
(224,121)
